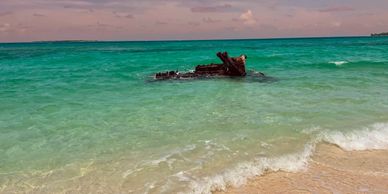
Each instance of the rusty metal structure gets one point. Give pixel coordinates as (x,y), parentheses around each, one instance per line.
(230,67)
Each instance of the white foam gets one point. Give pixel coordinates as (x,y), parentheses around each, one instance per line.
(338,63)
(373,137)
(242,172)
(168,158)
(311,130)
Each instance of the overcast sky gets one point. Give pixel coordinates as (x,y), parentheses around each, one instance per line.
(32,20)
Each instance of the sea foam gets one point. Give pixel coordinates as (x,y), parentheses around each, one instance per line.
(239,175)
(338,63)
(369,138)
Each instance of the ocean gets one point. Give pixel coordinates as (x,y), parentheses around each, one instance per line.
(86,117)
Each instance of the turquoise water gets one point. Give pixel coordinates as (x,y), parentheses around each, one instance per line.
(85,117)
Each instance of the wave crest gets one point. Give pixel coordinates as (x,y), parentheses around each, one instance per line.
(373,137)
(338,63)
(242,172)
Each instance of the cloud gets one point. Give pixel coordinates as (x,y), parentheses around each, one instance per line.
(102,25)
(230,28)
(210,20)
(13,29)
(208,9)
(39,15)
(5,27)
(129,16)
(337,9)
(336,24)
(160,23)
(123,15)
(5,13)
(193,23)
(247,18)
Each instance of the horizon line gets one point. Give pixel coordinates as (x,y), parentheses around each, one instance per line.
(177,40)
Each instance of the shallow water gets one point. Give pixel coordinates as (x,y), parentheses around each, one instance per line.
(83,117)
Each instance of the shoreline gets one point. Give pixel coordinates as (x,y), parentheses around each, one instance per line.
(330,170)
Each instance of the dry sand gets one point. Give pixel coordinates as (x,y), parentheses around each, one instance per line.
(331,170)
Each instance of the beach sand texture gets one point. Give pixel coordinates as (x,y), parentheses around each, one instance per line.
(331,170)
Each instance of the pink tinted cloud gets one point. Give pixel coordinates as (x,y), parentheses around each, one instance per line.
(123,15)
(5,13)
(210,20)
(194,23)
(207,9)
(39,15)
(337,9)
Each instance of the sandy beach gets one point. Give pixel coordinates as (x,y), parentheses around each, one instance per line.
(331,170)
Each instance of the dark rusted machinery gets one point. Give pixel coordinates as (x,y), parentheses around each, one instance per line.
(231,67)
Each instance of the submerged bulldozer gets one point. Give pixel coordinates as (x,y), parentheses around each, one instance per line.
(230,67)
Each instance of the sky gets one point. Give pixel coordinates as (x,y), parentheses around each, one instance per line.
(38,20)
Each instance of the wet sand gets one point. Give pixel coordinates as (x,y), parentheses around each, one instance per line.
(331,170)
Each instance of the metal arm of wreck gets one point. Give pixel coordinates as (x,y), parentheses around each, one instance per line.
(233,69)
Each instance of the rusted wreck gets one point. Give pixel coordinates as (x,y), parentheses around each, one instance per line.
(230,67)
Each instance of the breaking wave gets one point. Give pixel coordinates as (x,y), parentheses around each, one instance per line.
(242,172)
(338,63)
(369,138)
